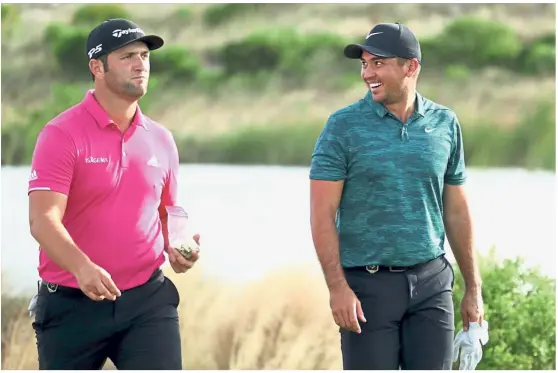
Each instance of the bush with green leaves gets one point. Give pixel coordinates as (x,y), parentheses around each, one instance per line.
(539,56)
(520,307)
(176,62)
(68,45)
(475,42)
(287,51)
(272,144)
(218,14)
(11,15)
(91,15)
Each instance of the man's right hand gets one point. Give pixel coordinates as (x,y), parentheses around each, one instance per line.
(346,308)
(96,283)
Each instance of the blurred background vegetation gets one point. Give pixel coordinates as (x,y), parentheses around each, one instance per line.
(254,83)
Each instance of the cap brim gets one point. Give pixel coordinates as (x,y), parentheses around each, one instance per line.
(354,51)
(153,41)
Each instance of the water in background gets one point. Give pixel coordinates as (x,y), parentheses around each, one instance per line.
(254,219)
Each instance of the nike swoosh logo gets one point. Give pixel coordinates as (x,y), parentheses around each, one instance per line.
(374,33)
(428,130)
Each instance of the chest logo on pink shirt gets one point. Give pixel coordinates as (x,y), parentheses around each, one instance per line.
(153,162)
(96,160)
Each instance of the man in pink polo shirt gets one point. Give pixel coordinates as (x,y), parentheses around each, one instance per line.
(102,174)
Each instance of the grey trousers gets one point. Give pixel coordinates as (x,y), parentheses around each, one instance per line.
(410,319)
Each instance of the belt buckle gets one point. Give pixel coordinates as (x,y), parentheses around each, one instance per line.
(372,269)
(391,269)
(51,287)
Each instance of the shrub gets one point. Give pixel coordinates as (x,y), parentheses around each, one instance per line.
(256,52)
(175,61)
(273,144)
(68,46)
(474,42)
(432,52)
(293,54)
(520,307)
(315,53)
(457,72)
(11,16)
(219,13)
(92,14)
(549,39)
(540,58)
(183,13)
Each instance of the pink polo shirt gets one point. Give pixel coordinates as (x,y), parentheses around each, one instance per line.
(116,184)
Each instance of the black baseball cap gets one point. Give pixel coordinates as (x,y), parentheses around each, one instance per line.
(387,40)
(116,33)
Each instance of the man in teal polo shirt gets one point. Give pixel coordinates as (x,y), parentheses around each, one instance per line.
(387,177)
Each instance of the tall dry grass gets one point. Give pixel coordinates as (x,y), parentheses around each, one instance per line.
(280,322)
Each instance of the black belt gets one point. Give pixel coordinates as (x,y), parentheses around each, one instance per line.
(54,288)
(382,268)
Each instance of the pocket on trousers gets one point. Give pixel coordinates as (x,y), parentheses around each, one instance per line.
(41,315)
(355,281)
(174,295)
(53,309)
(452,272)
(449,271)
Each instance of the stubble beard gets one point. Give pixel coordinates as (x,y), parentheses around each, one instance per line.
(128,89)
(133,91)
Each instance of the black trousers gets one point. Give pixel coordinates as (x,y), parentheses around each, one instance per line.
(410,319)
(139,330)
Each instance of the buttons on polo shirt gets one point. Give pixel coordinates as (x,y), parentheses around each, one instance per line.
(124,159)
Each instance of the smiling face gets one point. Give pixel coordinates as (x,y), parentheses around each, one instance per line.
(388,79)
(128,70)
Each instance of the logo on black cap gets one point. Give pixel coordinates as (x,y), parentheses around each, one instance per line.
(97,49)
(118,33)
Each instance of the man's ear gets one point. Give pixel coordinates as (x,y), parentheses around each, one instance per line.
(413,67)
(96,67)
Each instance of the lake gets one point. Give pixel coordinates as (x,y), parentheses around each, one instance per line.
(255,219)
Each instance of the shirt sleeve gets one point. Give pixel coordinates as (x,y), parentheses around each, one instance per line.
(52,164)
(169,195)
(456,173)
(329,158)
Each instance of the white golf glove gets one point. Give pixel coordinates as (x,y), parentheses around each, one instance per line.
(470,343)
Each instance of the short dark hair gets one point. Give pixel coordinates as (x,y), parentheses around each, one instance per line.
(104,60)
(401,61)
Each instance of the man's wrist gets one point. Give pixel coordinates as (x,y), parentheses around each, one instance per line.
(81,261)
(474,287)
(337,284)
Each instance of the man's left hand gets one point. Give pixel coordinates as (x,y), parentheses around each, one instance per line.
(472,307)
(179,263)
